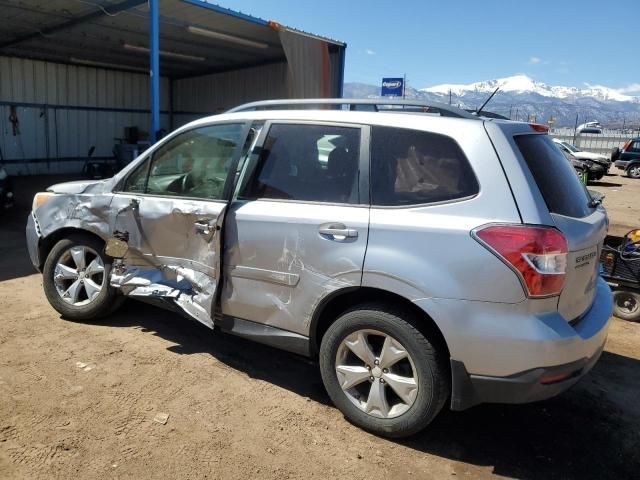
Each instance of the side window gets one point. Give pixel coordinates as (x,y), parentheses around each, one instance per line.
(635,146)
(137,180)
(192,164)
(411,167)
(307,163)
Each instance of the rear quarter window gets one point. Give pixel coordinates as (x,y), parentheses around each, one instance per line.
(412,167)
(555,176)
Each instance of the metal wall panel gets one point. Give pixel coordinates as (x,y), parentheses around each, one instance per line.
(33,81)
(50,131)
(218,92)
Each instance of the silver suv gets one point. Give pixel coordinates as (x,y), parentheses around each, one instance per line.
(422,254)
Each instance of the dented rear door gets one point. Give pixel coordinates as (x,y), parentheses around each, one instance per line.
(170,210)
(298,229)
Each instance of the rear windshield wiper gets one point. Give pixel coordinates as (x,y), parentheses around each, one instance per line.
(596,198)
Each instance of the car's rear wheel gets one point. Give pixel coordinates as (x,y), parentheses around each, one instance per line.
(383,373)
(76,279)
(634,171)
(626,305)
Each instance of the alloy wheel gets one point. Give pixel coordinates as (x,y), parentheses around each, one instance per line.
(376,373)
(79,275)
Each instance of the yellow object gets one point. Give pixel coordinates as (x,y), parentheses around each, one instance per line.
(634,235)
(39,198)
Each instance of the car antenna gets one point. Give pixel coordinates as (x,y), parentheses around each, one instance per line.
(487,101)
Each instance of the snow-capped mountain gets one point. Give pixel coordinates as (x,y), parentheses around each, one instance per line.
(520,97)
(525,84)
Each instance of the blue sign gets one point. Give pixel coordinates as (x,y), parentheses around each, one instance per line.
(392,87)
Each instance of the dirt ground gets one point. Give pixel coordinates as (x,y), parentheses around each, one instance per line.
(90,400)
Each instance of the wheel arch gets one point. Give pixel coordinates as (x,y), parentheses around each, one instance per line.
(46,243)
(632,163)
(330,308)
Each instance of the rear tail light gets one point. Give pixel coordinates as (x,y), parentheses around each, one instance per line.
(626,145)
(537,254)
(539,127)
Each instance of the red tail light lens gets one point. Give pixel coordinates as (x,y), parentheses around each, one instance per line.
(539,127)
(626,145)
(537,254)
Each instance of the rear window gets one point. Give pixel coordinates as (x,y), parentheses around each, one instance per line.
(411,167)
(555,176)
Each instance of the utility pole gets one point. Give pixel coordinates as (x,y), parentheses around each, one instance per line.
(449,96)
(575,130)
(404,86)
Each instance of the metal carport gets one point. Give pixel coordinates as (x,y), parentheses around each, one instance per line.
(74,73)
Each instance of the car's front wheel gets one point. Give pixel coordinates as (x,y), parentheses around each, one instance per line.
(383,373)
(76,279)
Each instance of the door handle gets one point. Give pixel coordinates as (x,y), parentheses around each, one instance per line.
(337,231)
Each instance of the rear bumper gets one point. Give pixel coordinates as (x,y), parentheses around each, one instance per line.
(33,241)
(530,386)
(511,353)
(621,164)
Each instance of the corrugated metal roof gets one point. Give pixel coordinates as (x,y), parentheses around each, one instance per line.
(195,37)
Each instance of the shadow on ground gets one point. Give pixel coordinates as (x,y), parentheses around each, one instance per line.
(600,183)
(580,434)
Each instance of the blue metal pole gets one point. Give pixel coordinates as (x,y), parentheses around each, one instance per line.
(154,69)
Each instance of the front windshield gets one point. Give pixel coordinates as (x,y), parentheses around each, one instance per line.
(570,147)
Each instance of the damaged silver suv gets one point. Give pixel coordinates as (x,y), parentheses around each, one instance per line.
(422,254)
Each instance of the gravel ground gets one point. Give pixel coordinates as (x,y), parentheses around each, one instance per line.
(147,394)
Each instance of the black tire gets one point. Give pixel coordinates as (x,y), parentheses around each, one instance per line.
(104,303)
(634,170)
(626,305)
(430,369)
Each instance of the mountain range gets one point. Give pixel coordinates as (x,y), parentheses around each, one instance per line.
(520,97)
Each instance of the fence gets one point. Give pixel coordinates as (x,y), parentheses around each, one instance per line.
(594,142)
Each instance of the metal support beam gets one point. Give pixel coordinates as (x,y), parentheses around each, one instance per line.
(342,53)
(101,12)
(154,69)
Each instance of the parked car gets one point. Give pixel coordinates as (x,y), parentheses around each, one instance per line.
(430,259)
(598,164)
(6,190)
(581,168)
(589,127)
(628,158)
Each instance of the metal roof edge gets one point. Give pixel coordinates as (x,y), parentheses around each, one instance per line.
(227,11)
(259,21)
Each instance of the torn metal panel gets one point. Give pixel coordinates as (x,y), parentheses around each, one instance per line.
(192,291)
(81,205)
(171,244)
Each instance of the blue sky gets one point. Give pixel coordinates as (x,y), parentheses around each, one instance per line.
(561,42)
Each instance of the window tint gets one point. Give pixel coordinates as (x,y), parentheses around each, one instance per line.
(410,167)
(635,146)
(137,180)
(555,176)
(308,163)
(192,164)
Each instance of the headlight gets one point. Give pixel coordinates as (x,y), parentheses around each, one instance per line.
(40,198)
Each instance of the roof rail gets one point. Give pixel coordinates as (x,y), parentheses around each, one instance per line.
(419,106)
